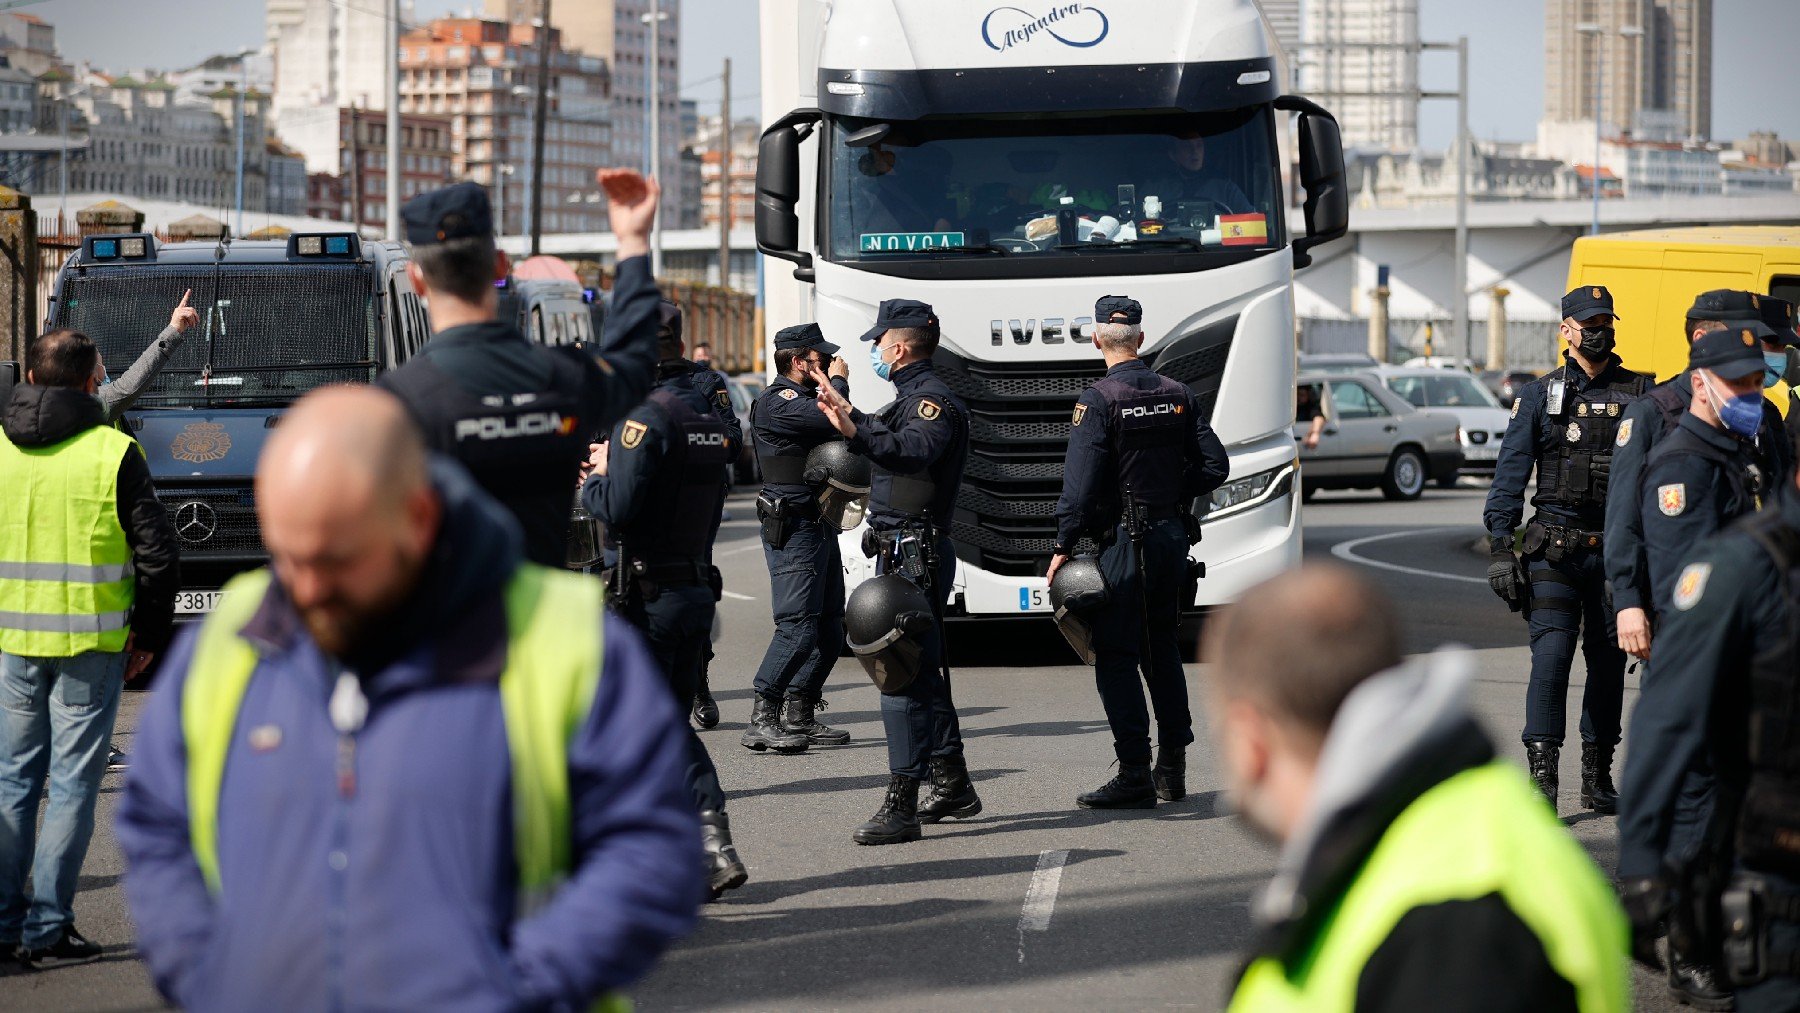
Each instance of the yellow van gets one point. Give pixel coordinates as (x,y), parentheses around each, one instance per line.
(1654,275)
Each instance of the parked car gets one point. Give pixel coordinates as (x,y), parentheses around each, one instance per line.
(1459,395)
(1373,439)
(1440,362)
(1506,384)
(745,470)
(1335,362)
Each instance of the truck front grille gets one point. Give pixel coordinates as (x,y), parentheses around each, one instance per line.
(214,522)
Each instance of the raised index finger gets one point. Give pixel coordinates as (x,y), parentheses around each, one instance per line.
(184,298)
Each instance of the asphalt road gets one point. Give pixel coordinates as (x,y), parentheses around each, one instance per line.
(1034,904)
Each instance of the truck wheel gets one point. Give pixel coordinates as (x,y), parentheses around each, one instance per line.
(1405,476)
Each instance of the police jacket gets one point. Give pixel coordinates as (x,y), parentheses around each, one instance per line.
(1426,874)
(712,386)
(918,444)
(661,495)
(1698,480)
(788,424)
(1139,431)
(1647,421)
(520,416)
(39,417)
(1724,664)
(1564,425)
(402,893)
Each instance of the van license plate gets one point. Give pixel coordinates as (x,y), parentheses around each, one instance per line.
(1034,599)
(194,603)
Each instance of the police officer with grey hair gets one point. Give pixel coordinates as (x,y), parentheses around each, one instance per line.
(1140,453)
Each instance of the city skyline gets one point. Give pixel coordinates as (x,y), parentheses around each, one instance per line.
(1506,54)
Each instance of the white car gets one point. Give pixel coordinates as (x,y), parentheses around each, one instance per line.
(1454,392)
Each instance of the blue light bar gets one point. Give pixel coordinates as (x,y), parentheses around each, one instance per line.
(129,246)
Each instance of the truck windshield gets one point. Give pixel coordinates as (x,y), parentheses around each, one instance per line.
(1118,186)
(267,333)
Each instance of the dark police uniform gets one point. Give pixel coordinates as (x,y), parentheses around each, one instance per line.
(520,416)
(918,444)
(806,571)
(1653,417)
(1564,424)
(1728,664)
(1139,454)
(660,501)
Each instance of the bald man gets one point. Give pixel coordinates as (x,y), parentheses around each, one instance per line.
(403,766)
(1416,871)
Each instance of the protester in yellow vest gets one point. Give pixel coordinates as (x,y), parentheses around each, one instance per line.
(87,590)
(404,768)
(1417,872)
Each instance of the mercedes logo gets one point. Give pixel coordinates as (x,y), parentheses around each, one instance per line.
(195,521)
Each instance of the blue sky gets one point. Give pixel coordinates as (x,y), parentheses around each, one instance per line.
(1756,79)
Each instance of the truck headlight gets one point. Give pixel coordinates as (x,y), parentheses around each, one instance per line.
(1241,494)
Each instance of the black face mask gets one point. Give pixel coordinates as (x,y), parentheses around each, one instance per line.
(1596,342)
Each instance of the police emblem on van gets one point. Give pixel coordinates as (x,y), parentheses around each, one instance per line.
(200,442)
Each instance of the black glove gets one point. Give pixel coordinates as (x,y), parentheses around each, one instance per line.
(1646,902)
(1505,576)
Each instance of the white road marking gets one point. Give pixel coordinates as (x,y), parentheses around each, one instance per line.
(1040,896)
(739,597)
(1345,551)
(752,547)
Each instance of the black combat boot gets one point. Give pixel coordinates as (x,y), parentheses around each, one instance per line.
(1597,791)
(1170,774)
(724,870)
(797,719)
(952,794)
(765,730)
(897,821)
(1698,985)
(1541,757)
(706,709)
(1131,789)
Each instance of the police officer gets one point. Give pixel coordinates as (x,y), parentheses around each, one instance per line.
(1139,454)
(520,416)
(918,444)
(806,574)
(1782,353)
(1646,422)
(655,485)
(711,385)
(1564,425)
(1726,654)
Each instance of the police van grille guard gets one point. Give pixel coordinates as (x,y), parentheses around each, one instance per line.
(214,522)
(271,332)
(1005,520)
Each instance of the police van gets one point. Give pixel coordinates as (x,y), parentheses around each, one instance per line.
(278,318)
(551,311)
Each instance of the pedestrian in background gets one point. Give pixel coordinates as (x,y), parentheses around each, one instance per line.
(88,575)
(1418,870)
(404,768)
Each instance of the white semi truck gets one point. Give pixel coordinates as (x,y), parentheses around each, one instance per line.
(1011,163)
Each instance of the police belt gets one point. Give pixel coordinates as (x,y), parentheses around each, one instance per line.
(1566,538)
(783,469)
(1749,904)
(673,573)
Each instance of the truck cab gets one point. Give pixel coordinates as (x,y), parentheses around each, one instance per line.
(278,318)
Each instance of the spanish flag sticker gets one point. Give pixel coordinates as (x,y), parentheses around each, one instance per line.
(1244,230)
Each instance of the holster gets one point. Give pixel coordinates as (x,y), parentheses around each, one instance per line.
(1190,586)
(1748,906)
(716,580)
(1191,525)
(772,513)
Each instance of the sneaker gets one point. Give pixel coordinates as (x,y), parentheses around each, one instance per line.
(68,949)
(116,760)
(13,959)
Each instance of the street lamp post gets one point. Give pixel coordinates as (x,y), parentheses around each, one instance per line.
(653,22)
(1595,30)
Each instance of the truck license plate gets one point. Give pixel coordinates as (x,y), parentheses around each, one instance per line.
(1034,599)
(195,603)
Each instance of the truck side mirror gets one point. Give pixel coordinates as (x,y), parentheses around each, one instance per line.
(778,189)
(1327,204)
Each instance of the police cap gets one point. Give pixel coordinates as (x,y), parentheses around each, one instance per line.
(1733,352)
(1778,314)
(1109,308)
(452,212)
(669,327)
(1587,302)
(901,313)
(1725,304)
(804,336)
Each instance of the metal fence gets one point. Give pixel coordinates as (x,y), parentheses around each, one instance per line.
(721,318)
(1529,344)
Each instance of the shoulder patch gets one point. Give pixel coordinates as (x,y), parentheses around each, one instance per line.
(1671,499)
(1515,411)
(722,399)
(1080,410)
(1624,436)
(633,434)
(929,409)
(1691,585)
(789,393)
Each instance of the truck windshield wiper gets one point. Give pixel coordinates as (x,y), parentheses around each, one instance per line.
(1184,241)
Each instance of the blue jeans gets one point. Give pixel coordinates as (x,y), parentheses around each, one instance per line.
(56,719)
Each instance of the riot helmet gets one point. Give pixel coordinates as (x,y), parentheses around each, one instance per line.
(842,479)
(1077,594)
(586,543)
(886,622)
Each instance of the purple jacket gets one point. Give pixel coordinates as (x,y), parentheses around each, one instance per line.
(398,893)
